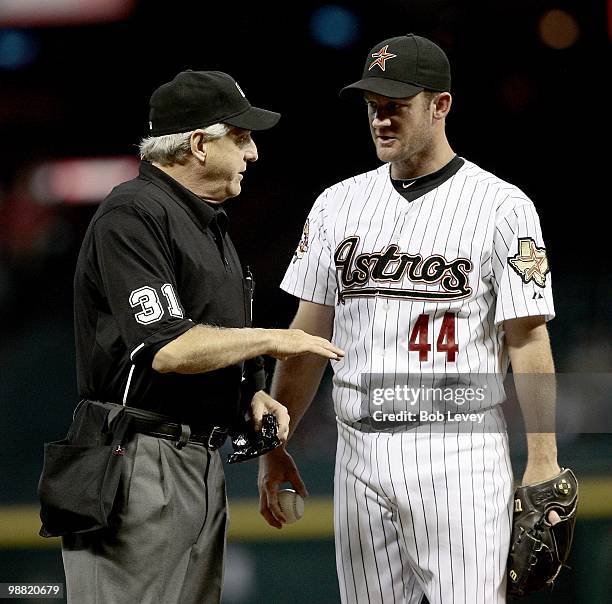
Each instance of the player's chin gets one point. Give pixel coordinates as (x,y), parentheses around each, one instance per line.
(386,154)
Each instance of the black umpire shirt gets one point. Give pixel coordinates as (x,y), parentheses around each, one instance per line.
(155,261)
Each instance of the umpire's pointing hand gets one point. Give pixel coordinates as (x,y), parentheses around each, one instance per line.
(287,343)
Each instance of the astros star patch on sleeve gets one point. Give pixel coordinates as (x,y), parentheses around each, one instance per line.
(531,263)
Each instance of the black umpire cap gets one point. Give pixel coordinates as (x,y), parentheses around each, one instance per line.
(402,67)
(197,99)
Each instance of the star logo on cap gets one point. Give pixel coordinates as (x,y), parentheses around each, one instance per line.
(531,262)
(380,57)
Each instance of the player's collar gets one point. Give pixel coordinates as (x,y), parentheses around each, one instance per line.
(413,188)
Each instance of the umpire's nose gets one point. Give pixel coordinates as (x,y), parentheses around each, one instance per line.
(251,152)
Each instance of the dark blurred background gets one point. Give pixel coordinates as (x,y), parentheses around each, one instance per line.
(530,103)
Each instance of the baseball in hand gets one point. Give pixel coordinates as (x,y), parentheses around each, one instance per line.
(291,504)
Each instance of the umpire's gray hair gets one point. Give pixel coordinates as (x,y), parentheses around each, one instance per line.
(172,149)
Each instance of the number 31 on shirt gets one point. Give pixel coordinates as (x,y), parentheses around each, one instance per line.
(419,338)
(151,309)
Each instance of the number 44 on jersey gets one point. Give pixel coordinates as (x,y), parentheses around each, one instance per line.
(445,342)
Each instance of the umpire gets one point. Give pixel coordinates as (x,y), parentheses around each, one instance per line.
(162,319)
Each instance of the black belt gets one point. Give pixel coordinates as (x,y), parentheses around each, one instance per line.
(369,425)
(160,426)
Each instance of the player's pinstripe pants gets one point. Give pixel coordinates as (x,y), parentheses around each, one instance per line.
(422,513)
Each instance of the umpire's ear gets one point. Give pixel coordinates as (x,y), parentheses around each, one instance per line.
(198,145)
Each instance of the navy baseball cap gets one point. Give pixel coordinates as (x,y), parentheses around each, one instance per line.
(197,99)
(402,67)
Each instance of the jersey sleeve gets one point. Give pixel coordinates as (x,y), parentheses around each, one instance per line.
(521,272)
(135,265)
(311,272)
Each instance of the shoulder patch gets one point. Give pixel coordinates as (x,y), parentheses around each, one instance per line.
(303,244)
(531,263)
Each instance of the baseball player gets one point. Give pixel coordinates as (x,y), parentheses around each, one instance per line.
(429,271)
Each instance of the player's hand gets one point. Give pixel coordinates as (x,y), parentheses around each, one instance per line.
(262,403)
(537,473)
(287,343)
(276,468)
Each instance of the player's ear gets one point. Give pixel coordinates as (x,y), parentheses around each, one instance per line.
(442,104)
(198,145)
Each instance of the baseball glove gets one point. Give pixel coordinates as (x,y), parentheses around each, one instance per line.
(538,550)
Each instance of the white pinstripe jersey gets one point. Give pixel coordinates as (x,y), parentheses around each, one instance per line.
(422,286)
